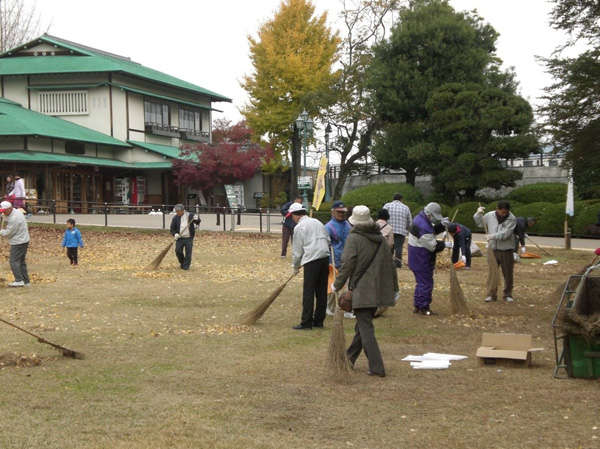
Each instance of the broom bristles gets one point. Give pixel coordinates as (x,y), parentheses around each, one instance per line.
(338,365)
(157,261)
(254,315)
(493,278)
(458,304)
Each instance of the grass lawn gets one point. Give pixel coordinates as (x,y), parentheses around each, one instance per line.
(168,366)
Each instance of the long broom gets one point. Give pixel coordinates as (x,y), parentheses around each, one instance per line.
(539,247)
(458,304)
(157,261)
(254,315)
(493,278)
(337,364)
(65,351)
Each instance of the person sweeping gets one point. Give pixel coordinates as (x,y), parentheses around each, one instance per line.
(367,266)
(183,229)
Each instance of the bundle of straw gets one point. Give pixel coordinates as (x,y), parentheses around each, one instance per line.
(337,364)
(458,304)
(254,315)
(493,278)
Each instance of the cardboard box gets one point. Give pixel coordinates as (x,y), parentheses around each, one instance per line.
(515,348)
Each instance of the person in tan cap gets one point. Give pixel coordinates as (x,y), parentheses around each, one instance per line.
(367,266)
(17,234)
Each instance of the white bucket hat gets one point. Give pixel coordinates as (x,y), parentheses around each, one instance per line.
(361,215)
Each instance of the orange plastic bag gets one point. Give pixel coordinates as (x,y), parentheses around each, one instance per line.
(331,278)
(528,255)
(460,264)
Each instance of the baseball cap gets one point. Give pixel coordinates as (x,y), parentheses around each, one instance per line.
(295,207)
(435,210)
(5,205)
(339,205)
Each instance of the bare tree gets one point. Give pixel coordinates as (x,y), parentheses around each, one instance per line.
(18,23)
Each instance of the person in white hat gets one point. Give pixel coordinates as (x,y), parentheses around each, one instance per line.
(17,234)
(422,249)
(367,266)
(310,250)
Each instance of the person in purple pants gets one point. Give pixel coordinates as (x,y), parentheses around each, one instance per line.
(422,249)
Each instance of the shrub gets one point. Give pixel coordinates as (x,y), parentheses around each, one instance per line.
(543,191)
(536,210)
(376,195)
(585,218)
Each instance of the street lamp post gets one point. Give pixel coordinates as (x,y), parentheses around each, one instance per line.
(305,125)
(327,131)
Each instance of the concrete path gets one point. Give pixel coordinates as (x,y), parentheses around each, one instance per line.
(253,222)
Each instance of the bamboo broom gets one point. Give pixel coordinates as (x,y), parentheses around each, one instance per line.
(254,315)
(65,351)
(337,364)
(458,304)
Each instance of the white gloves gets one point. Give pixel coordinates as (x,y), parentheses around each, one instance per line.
(448,244)
(480,210)
(176,236)
(445,221)
(523,250)
(196,217)
(464,259)
(295,271)
(490,237)
(333,289)
(526,236)
(396,296)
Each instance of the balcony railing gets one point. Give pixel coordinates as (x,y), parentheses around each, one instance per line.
(190,134)
(162,130)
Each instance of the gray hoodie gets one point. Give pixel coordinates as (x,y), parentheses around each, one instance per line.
(16,229)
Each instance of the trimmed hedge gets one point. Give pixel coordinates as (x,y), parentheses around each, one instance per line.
(543,191)
(376,195)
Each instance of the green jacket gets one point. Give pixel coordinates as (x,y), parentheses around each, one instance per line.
(377,286)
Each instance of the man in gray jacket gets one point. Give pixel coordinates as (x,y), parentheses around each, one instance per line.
(17,234)
(368,268)
(499,226)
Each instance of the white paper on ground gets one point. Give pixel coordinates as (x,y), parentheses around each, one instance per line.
(551,262)
(437,356)
(431,364)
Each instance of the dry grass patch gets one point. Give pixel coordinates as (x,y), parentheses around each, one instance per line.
(169,365)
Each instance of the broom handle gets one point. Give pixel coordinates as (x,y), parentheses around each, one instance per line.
(27,332)
(539,247)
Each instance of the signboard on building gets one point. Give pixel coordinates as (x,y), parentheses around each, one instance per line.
(304,182)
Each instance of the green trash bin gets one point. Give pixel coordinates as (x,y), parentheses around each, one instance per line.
(582,357)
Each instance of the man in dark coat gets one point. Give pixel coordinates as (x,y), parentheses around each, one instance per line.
(462,243)
(287,225)
(422,249)
(521,232)
(183,229)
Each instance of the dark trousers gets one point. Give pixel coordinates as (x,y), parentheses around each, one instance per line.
(364,339)
(72,254)
(183,251)
(398,247)
(423,287)
(506,261)
(287,234)
(316,274)
(467,254)
(16,260)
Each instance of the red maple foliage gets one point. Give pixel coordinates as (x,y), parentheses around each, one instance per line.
(207,165)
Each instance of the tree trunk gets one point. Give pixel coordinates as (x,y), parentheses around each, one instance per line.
(339,186)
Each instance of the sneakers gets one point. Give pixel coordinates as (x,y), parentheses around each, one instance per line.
(509,299)
(349,315)
(329,312)
(16,284)
(490,299)
(28,284)
(426,312)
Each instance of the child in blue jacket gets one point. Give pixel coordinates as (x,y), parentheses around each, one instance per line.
(71,241)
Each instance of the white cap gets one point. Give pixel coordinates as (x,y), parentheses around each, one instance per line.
(5,205)
(361,215)
(295,207)
(435,210)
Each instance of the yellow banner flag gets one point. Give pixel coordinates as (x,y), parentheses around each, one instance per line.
(320,187)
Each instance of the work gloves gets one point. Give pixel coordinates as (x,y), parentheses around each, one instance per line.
(448,244)
(445,221)
(333,289)
(295,271)
(480,210)
(464,259)
(196,217)
(176,236)
(523,250)
(490,237)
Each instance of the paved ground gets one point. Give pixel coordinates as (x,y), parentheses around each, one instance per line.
(268,222)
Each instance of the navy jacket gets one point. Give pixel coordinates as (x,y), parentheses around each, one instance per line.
(176,224)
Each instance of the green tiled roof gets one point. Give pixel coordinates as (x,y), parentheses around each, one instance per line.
(165,150)
(18,121)
(40,156)
(148,165)
(87,60)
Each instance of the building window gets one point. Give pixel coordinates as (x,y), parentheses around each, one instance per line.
(156,113)
(72,102)
(74,148)
(190,120)
(527,163)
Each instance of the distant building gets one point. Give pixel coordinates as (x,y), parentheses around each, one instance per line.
(83,126)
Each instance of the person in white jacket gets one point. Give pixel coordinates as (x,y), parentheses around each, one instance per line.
(18,192)
(17,234)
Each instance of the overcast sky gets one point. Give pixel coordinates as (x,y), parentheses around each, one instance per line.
(205,41)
